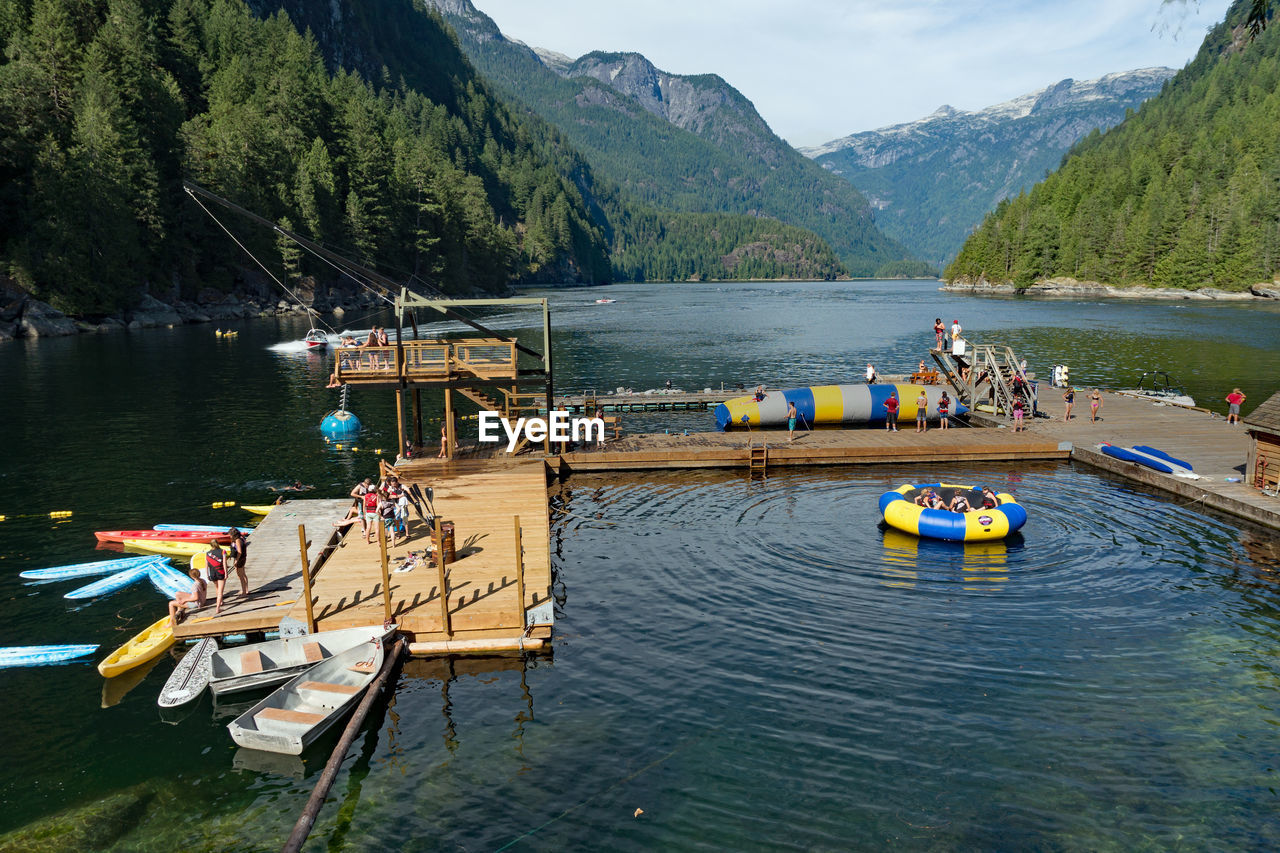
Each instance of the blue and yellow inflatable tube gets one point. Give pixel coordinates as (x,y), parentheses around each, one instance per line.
(830,404)
(900,510)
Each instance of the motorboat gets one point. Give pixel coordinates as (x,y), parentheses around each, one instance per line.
(1156,385)
(316,339)
(605,301)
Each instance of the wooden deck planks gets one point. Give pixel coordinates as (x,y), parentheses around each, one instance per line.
(274,568)
(482,501)
(819,447)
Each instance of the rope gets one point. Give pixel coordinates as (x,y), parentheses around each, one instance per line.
(254,258)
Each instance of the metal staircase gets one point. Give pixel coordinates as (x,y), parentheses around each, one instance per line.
(987,378)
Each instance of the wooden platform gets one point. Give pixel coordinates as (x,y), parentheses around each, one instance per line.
(1214,449)
(481,498)
(274,568)
(820,447)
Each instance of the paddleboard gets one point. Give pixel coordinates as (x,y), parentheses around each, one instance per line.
(258,510)
(38,655)
(169,580)
(206,528)
(145,645)
(190,676)
(112,583)
(84,570)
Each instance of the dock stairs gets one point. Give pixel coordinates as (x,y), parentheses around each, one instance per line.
(987,377)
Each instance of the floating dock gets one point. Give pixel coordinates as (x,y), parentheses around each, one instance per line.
(497,592)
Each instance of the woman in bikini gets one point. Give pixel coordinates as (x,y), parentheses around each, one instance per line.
(1095,403)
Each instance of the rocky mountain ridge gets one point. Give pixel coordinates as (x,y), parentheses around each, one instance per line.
(932,180)
(681,143)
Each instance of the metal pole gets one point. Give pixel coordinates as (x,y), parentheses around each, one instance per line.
(546,366)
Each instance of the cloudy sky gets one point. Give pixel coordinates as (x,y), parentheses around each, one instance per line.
(820,69)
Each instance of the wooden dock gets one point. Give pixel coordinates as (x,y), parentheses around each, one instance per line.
(274,568)
(1215,450)
(481,609)
(819,447)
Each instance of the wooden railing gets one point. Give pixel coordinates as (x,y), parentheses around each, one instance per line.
(440,360)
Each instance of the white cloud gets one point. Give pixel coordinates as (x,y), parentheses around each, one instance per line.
(821,69)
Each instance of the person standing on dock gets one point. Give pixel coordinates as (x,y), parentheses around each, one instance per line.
(939,331)
(944,411)
(1019,409)
(215,565)
(871,374)
(891,412)
(791,421)
(1070,399)
(1095,403)
(1234,400)
(239,554)
(922,412)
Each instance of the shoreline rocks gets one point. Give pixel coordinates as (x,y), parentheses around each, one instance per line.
(23,316)
(1070,288)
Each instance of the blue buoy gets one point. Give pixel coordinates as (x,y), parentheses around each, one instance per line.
(340,424)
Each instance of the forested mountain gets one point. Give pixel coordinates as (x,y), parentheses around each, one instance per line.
(679,143)
(107,104)
(931,181)
(1186,193)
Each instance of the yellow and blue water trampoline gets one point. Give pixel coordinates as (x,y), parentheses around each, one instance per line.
(900,510)
(830,404)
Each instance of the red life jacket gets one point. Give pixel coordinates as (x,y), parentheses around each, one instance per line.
(371,501)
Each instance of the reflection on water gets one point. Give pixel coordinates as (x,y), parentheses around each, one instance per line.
(751,662)
(908,557)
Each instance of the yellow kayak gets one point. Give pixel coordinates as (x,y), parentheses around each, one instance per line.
(169,549)
(262,509)
(151,642)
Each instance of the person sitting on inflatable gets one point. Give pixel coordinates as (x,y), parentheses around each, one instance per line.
(959,503)
(989,499)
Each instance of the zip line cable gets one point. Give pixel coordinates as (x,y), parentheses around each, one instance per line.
(311,316)
(349,267)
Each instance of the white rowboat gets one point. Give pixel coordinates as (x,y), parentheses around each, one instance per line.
(270,663)
(291,718)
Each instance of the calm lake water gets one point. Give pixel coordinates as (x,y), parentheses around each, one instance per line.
(755,664)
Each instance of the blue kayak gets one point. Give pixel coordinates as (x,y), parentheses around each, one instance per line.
(112,583)
(82,570)
(36,655)
(169,580)
(201,528)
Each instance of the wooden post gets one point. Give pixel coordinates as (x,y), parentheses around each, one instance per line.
(306,578)
(441,579)
(520,573)
(386,574)
(400,421)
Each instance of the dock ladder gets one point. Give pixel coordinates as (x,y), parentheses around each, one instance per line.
(759,458)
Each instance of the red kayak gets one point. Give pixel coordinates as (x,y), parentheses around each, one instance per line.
(163,536)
